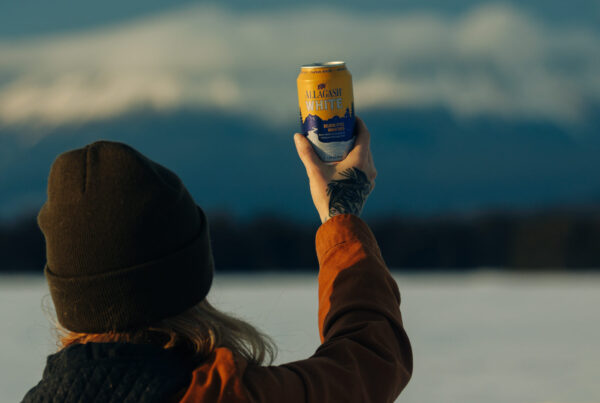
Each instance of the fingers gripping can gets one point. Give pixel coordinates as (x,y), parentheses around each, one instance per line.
(327,108)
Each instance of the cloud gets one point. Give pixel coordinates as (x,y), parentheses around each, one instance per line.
(493,60)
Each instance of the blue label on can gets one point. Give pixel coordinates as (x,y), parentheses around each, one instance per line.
(336,129)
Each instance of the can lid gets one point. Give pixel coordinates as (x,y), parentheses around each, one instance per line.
(319,65)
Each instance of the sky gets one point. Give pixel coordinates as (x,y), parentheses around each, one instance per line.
(35,17)
(490,59)
(457,75)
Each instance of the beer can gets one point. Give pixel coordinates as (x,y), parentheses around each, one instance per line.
(327,108)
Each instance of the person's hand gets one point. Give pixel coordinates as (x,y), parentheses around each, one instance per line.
(343,187)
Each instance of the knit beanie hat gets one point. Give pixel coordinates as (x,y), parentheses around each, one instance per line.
(126,245)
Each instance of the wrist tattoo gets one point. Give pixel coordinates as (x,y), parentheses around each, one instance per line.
(348,194)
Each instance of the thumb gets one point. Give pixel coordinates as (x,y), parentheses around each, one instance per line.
(307,154)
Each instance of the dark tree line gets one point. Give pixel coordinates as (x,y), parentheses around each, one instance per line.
(549,240)
(21,245)
(554,239)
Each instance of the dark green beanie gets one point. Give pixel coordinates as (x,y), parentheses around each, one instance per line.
(126,245)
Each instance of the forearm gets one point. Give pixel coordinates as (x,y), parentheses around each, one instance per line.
(365,355)
(358,298)
(352,273)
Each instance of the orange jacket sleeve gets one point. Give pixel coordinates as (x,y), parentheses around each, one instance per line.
(365,355)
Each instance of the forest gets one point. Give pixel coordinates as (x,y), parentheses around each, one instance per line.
(560,239)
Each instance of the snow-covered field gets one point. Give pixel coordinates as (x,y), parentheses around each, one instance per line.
(477,338)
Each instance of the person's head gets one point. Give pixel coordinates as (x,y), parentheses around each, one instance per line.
(129,256)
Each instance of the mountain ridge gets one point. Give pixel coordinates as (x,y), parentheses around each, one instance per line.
(429,162)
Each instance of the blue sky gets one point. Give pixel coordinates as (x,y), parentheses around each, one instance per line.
(497,103)
(35,17)
(474,59)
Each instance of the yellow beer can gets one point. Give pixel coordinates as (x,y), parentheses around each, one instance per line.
(327,108)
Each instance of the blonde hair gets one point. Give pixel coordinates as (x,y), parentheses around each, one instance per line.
(200,330)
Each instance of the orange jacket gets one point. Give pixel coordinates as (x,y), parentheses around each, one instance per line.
(365,355)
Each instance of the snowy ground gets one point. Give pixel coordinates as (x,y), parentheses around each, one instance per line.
(477,338)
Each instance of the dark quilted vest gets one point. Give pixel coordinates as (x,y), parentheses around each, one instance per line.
(111,373)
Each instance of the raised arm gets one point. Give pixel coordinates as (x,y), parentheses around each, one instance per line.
(365,355)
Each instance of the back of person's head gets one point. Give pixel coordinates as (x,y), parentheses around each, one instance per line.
(129,256)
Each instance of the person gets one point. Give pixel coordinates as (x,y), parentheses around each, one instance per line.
(129,267)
